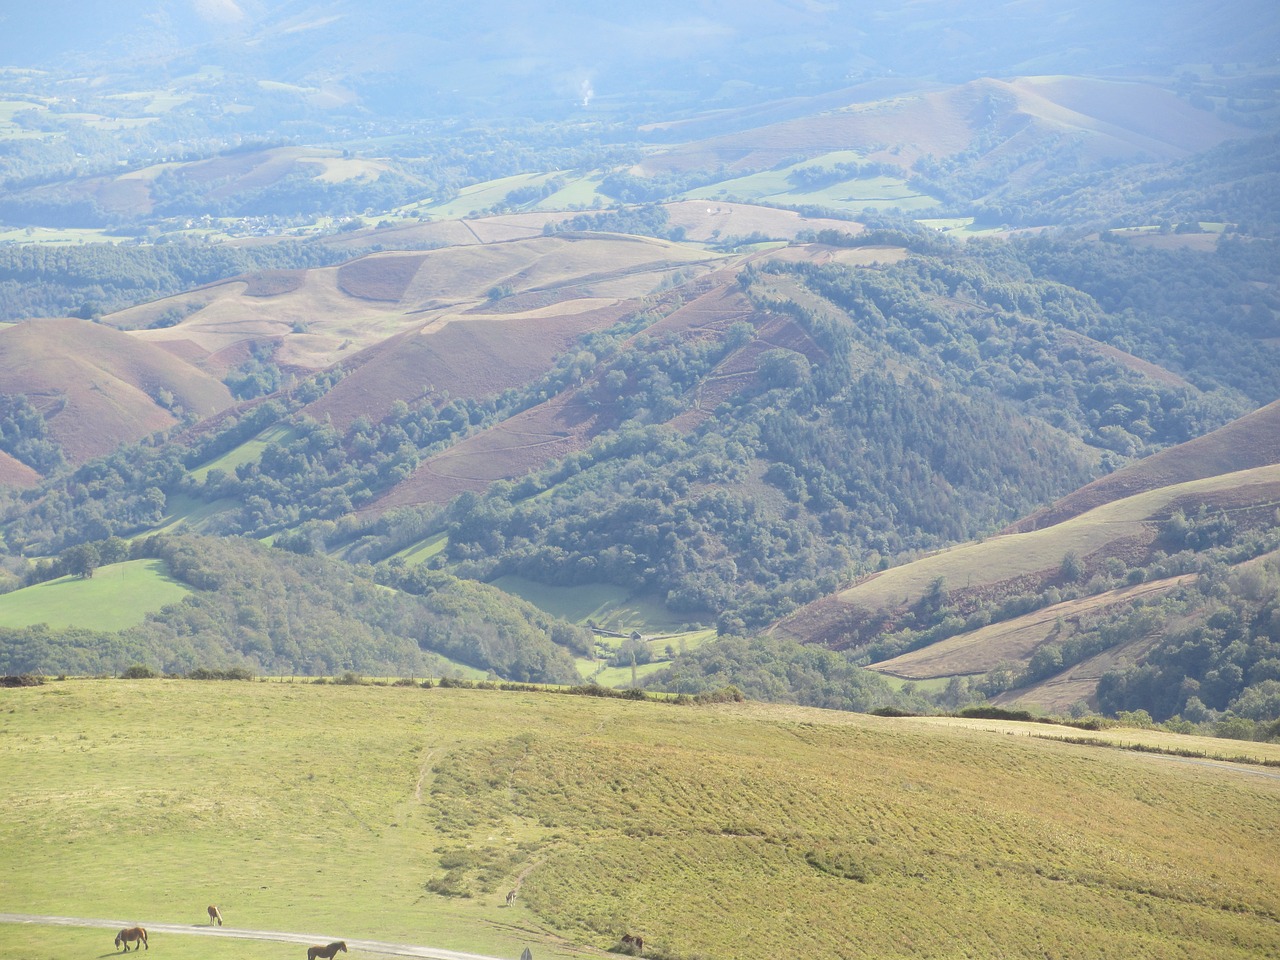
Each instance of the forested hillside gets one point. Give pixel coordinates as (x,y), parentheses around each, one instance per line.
(262,610)
(940,373)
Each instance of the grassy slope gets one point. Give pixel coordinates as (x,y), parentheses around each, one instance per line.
(117,596)
(1040,552)
(977,651)
(742,830)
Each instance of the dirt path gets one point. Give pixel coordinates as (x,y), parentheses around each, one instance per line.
(203,930)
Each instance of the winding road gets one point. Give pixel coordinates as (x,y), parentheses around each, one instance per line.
(201,930)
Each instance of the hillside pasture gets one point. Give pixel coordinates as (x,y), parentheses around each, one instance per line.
(117,596)
(854,195)
(404,815)
(248,452)
(1016,639)
(1060,693)
(705,222)
(605,605)
(1103,120)
(1123,524)
(478,198)
(1122,737)
(318,317)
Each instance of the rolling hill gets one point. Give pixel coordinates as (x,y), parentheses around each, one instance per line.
(663,327)
(97,388)
(1121,521)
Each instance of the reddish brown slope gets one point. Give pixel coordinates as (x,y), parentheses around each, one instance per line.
(468,359)
(570,421)
(15,473)
(98,387)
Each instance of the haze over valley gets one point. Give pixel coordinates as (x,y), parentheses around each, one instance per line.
(765,361)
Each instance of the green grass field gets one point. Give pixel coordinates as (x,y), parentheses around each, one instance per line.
(605,605)
(425,549)
(247,452)
(855,195)
(740,830)
(117,596)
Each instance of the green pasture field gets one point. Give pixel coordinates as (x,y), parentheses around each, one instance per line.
(184,511)
(855,194)
(606,676)
(607,606)
(616,678)
(481,196)
(60,236)
(37,942)
(424,550)
(247,452)
(928,684)
(745,830)
(119,595)
(578,192)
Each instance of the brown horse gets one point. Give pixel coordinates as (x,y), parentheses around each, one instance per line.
(129,935)
(511,898)
(328,952)
(636,943)
(214,914)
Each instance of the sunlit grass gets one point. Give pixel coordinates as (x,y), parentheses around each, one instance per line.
(248,452)
(404,815)
(117,596)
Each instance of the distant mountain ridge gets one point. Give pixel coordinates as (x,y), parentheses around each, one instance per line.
(429,61)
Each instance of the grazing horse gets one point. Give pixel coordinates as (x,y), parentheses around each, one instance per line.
(214,914)
(129,935)
(328,952)
(637,942)
(511,898)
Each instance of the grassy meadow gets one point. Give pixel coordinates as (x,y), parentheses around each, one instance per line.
(119,595)
(739,830)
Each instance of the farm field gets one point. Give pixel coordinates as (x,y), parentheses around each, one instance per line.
(117,596)
(404,815)
(607,606)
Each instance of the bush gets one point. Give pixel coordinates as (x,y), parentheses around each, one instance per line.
(21,680)
(138,672)
(996,713)
(233,673)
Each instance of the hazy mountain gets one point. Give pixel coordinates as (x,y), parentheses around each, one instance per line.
(568,58)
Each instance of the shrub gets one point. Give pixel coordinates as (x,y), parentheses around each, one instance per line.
(21,680)
(232,673)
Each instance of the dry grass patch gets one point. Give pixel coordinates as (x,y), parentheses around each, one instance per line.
(1016,639)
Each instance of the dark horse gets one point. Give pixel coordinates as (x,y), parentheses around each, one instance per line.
(214,914)
(328,952)
(129,935)
(635,942)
